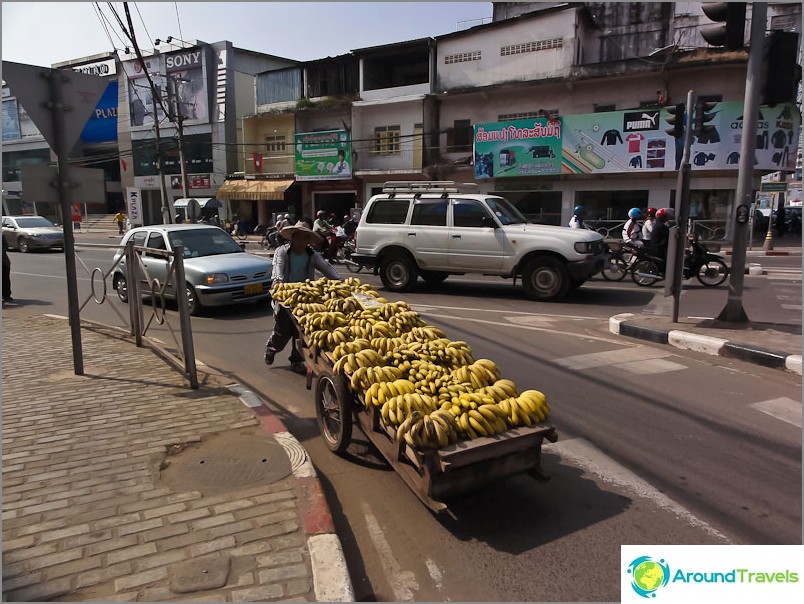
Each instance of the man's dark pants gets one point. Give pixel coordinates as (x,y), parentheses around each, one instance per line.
(284,331)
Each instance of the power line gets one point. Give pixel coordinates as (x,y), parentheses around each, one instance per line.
(144,26)
(103,24)
(181,35)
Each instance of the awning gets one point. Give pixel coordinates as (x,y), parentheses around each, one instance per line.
(253,190)
(203,202)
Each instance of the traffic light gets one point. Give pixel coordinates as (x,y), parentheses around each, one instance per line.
(782,71)
(702,129)
(731,29)
(676,121)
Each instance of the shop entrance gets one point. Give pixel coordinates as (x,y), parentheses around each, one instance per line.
(339,204)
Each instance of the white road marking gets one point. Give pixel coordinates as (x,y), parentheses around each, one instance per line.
(613,357)
(435,573)
(791,306)
(402,582)
(585,455)
(506,311)
(650,366)
(785,409)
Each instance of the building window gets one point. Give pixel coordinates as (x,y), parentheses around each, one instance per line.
(462,57)
(275,144)
(386,140)
(527,115)
(459,137)
(517,49)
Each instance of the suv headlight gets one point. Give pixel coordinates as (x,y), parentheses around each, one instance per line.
(584,247)
(216,278)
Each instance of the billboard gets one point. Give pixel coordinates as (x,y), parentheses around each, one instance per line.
(518,148)
(140,97)
(11,120)
(187,87)
(102,124)
(323,155)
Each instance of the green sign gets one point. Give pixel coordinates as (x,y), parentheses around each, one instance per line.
(323,155)
(773,187)
(519,148)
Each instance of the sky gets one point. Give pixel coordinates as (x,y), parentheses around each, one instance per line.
(43,33)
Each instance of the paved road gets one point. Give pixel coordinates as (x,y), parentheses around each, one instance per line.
(656,445)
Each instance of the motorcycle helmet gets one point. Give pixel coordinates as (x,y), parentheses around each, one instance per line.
(634,213)
(651,212)
(347,218)
(578,210)
(664,214)
(320,214)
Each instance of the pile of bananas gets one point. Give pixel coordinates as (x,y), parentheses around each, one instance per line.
(430,389)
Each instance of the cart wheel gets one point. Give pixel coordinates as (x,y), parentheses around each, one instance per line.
(333,408)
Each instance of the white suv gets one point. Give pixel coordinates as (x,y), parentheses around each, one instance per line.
(432,230)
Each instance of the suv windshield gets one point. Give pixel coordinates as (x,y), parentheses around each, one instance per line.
(204,242)
(505,212)
(34,221)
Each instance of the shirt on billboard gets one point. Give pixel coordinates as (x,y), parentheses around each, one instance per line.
(634,141)
(611,137)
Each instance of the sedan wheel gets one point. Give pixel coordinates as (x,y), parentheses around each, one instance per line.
(193,305)
(22,244)
(122,288)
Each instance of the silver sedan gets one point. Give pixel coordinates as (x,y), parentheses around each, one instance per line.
(217,270)
(28,232)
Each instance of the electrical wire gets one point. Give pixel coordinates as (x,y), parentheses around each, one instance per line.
(144,26)
(103,25)
(176,6)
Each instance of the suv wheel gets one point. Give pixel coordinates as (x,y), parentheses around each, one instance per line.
(545,279)
(398,273)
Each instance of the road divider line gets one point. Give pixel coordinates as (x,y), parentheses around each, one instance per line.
(506,311)
(584,454)
(784,409)
(402,582)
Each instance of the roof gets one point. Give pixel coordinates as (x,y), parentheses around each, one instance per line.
(393,46)
(517,19)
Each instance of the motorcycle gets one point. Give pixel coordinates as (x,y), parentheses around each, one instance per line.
(334,240)
(710,269)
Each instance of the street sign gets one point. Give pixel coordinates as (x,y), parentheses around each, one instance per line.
(773,187)
(87,184)
(80,94)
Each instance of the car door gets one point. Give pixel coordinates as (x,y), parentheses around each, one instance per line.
(475,241)
(8,230)
(428,233)
(156,265)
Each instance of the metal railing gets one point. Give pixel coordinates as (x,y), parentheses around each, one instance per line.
(136,273)
(706,230)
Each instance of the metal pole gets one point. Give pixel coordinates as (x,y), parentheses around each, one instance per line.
(56,105)
(184,317)
(166,213)
(682,206)
(180,133)
(734,311)
(134,300)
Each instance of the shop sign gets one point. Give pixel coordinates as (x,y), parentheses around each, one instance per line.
(194,181)
(102,124)
(101,68)
(323,155)
(134,206)
(518,148)
(773,187)
(11,121)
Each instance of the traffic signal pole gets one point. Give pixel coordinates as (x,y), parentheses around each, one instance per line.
(733,311)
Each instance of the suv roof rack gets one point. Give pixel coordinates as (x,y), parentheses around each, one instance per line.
(420,186)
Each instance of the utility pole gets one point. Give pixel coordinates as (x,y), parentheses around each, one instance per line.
(733,311)
(180,133)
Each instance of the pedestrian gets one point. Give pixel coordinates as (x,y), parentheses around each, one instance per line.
(647,227)
(632,230)
(578,214)
(6,274)
(294,262)
(660,235)
(120,219)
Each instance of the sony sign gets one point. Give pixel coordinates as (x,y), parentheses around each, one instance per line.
(183,60)
(102,68)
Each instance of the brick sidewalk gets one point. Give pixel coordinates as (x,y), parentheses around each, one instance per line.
(85,514)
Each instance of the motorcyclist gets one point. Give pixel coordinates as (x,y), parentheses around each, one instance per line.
(349,226)
(660,235)
(632,230)
(322,228)
(578,214)
(647,227)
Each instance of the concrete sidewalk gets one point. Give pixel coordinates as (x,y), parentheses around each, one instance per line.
(126,485)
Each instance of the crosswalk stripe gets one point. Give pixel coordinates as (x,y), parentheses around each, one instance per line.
(785,409)
(622,356)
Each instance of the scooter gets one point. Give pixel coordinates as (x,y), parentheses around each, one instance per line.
(710,269)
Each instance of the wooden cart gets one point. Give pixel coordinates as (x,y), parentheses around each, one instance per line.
(433,475)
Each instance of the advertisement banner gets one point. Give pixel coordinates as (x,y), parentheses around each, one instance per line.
(140,99)
(134,206)
(102,125)
(518,148)
(323,155)
(11,121)
(27,127)
(194,181)
(636,141)
(185,72)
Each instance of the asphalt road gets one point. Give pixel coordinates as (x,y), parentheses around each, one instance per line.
(656,445)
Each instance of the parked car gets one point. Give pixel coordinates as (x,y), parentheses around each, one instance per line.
(433,231)
(25,233)
(217,269)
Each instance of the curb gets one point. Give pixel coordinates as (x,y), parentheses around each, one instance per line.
(619,325)
(331,581)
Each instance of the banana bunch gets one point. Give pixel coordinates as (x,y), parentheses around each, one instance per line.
(527,409)
(386,346)
(323,320)
(364,377)
(380,392)
(341,350)
(479,374)
(329,340)
(392,308)
(403,322)
(435,430)
(382,329)
(305,308)
(500,390)
(344,305)
(397,409)
(486,420)
(422,334)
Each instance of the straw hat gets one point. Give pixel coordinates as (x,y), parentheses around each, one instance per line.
(300,227)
